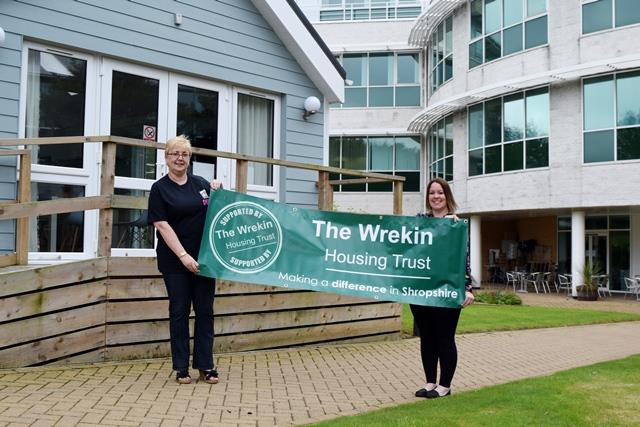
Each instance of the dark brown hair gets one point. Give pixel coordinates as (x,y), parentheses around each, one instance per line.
(448,194)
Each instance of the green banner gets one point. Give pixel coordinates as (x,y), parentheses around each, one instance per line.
(413,260)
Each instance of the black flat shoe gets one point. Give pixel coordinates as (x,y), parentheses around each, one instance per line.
(210,376)
(433,394)
(183,377)
(422,393)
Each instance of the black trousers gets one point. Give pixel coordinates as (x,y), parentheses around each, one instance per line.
(184,290)
(437,329)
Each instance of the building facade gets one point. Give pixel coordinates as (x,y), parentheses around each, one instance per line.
(384,91)
(232,75)
(533,115)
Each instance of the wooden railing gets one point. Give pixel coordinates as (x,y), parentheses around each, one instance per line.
(22,208)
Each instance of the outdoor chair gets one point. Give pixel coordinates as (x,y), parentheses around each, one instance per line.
(544,280)
(534,279)
(603,284)
(563,283)
(633,286)
(511,281)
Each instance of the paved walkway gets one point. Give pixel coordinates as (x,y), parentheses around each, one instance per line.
(295,386)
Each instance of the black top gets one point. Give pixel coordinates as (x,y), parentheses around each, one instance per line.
(184,207)
(468,283)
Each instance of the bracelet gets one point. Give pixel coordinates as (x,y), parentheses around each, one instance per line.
(181,254)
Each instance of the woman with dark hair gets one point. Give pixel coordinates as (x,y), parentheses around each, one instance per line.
(437,325)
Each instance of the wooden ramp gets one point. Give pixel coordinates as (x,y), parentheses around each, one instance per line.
(116,308)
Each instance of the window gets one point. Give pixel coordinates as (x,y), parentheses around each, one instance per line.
(442,54)
(502,27)
(255,135)
(601,15)
(509,133)
(611,115)
(441,149)
(359,10)
(392,155)
(382,79)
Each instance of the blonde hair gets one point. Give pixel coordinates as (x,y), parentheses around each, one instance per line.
(177,142)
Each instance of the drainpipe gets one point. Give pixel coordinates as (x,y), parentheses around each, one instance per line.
(577,249)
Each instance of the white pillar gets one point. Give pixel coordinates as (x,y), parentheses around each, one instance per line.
(475,250)
(577,249)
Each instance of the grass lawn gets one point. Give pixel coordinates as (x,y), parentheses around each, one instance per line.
(486,318)
(597,395)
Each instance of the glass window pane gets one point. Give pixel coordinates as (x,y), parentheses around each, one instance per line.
(354,156)
(381,153)
(408,68)
(448,67)
(412,182)
(628,98)
(596,16)
(598,146)
(619,258)
(56,87)
(493,121)
(512,39)
(476,125)
(534,7)
(255,135)
(537,153)
(535,32)
(334,151)
(492,18)
(596,222)
(380,69)
(513,117)
(493,46)
(476,19)
(627,12)
(619,222)
(448,131)
(629,143)
(448,36)
(598,103)
(130,228)
(355,65)
(475,162)
(513,157)
(512,12)
(537,112)
(197,118)
(380,186)
(564,223)
(493,159)
(134,105)
(380,97)
(408,153)
(448,168)
(475,54)
(408,96)
(355,97)
(59,232)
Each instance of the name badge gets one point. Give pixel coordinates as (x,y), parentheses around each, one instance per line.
(204,194)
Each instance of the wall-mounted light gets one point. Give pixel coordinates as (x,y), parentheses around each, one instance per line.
(311,106)
(2,35)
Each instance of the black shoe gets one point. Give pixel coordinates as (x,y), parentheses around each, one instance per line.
(433,394)
(183,377)
(422,393)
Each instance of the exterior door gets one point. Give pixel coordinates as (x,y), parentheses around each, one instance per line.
(134,105)
(595,246)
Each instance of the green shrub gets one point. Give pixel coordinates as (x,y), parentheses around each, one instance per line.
(498,297)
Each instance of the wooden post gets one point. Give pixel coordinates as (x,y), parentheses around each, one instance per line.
(22,224)
(325,192)
(397,197)
(242,169)
(107,177)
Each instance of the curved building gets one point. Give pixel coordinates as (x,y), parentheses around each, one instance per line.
(533,114)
